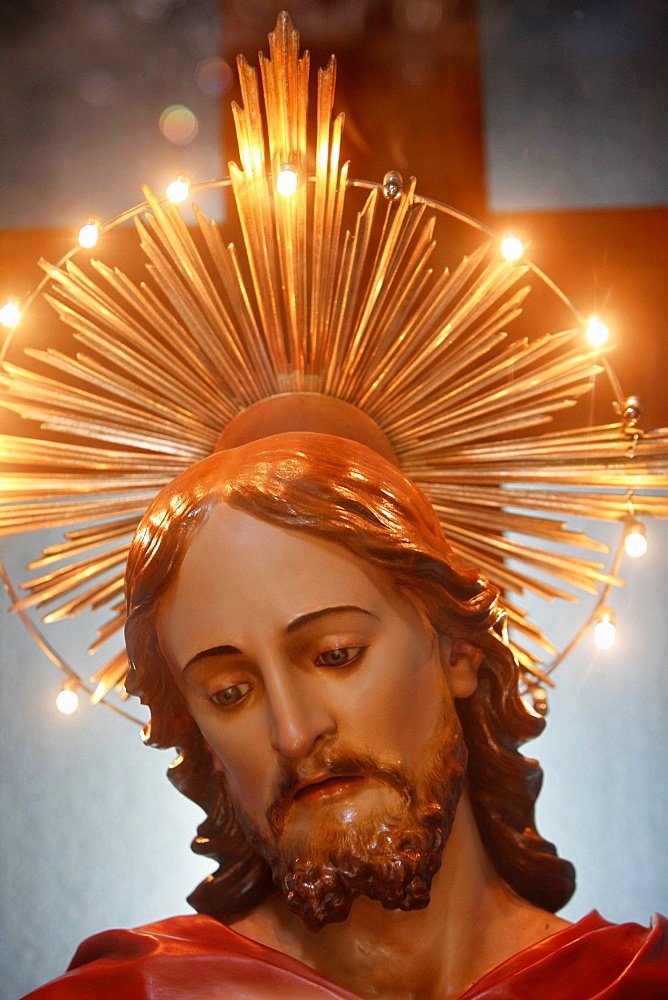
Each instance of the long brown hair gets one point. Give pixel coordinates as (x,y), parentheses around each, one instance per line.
(342,491)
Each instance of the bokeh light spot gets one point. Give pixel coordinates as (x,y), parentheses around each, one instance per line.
(213,77)
(178,124)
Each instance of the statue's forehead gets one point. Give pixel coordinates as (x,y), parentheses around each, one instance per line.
(239,567)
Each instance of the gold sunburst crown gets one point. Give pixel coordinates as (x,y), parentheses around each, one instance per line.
(317,295)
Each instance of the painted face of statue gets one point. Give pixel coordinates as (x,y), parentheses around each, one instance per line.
(327,699)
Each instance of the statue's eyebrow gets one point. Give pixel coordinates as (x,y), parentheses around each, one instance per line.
(212,651)
(297,623)
(338,609)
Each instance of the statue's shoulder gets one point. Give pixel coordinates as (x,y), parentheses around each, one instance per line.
(194,954)
(627,961)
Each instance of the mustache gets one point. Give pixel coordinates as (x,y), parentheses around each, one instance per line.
(333,763)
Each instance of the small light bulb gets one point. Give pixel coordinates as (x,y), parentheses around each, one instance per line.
(635,540)
(393,185)
(512,248)
(179,189)
(89,232)
(10,314)
(286,182)
(67,700)
(597,332)
(631,410)
(605,630)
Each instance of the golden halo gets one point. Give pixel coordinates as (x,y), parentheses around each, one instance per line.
(337,288)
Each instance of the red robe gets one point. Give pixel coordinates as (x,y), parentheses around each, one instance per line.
(197,958)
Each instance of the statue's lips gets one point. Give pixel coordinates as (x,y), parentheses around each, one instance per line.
(329,786)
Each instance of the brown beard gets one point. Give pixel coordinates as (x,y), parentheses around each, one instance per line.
(391,857)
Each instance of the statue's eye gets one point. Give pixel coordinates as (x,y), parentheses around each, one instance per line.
(230,695)
(340,657)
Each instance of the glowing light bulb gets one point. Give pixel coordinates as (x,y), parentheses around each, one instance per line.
(286,182)
(179,189)
(10,314)
(67,700)
(512,248)
(597,332)
(89,232)
(605,630)
(635,540)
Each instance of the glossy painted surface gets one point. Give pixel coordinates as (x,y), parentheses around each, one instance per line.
(327,656)
(193,958)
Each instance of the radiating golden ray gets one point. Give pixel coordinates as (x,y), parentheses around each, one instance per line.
(93,598)
(324,292)
(110,676)
(517,618)
(38,517)
(481,555)
(110,628)
(84,540)
(44,588)
(155,407)
(148,342)
(585,442)
(194,300)
(584,505)
(38,398)
(464,508)
(243,331)
(22,486)
(327,221)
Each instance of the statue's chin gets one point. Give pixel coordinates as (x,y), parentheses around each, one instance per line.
(389,852)
(399,877)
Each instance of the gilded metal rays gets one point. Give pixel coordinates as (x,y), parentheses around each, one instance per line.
(313,296)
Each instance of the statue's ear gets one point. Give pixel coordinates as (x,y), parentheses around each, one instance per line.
(461,662)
